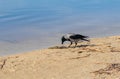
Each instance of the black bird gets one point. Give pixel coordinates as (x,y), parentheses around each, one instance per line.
(74,38)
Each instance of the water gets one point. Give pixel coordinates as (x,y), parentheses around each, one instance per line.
(27,25)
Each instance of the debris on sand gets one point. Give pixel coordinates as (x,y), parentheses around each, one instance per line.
(110,69)
(57,47)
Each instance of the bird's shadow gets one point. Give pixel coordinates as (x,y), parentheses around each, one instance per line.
(91,45)
(65,47)
(58,47)
(80,46)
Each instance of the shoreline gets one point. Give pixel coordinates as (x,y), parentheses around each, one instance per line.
(94,61)
(45,47)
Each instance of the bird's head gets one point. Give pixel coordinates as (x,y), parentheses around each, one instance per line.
(63,39)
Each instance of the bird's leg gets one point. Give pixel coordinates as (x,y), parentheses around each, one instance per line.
(70,44)
(75,44)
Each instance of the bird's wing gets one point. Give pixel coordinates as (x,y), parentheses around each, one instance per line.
(78,36)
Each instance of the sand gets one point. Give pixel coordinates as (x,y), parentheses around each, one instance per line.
(100,59)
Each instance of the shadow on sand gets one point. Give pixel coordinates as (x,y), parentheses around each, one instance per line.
(65,47)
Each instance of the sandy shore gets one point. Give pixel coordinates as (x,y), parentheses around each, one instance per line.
(98,60)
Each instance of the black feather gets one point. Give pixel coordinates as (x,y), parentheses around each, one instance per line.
(78,36)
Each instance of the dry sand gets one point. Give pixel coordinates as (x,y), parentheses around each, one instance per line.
(98,60)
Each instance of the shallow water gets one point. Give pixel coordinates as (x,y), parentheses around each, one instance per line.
(27,25)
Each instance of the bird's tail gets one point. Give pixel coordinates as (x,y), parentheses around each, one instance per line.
(85,36)
(86,40)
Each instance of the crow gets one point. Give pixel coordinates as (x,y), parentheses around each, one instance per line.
(74,38)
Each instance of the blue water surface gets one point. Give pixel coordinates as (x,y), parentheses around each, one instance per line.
(27,25)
